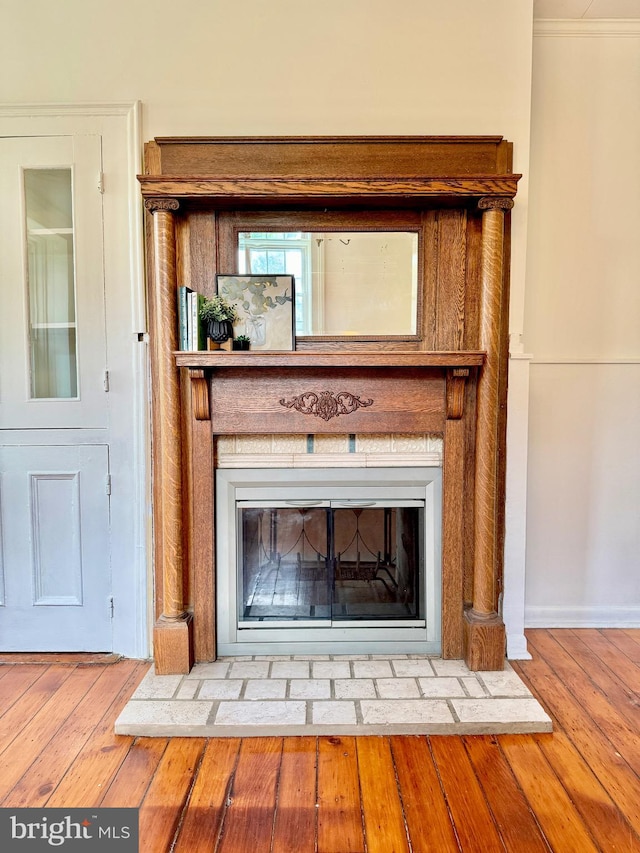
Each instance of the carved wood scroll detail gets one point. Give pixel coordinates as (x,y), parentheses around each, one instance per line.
(200,395)
(455,392)
(495,203)
(325,404)
(153,204)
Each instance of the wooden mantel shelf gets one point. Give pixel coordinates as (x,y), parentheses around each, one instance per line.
(252,360)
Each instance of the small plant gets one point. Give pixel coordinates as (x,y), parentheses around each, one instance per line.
(242,342)
(217,308)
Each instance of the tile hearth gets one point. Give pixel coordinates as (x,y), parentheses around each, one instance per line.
(331,695)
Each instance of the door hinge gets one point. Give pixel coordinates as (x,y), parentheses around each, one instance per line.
(101,182)
(108,484)
(105,381)
(111,606)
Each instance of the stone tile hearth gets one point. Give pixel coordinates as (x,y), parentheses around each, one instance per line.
(331,695)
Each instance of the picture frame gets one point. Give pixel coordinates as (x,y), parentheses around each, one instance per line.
(265,305)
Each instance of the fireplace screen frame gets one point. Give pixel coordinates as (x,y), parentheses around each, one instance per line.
(239,486)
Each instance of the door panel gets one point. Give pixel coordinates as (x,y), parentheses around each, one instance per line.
(52,326)
(55,547)
(55,527)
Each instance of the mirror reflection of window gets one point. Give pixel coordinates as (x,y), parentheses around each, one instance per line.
(347,283)
(278,253)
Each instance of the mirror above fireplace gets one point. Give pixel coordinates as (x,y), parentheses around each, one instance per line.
(348,283)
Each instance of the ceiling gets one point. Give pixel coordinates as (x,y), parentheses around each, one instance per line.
(586,9)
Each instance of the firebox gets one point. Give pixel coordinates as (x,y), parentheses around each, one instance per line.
(328,560)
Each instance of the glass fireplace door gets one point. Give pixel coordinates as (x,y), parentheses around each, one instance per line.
(309,563)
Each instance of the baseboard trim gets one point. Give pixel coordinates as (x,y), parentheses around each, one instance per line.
(587,616)
(517,647)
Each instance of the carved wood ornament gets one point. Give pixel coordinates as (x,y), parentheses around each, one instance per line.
(325,404)
(449,378)
(154,204)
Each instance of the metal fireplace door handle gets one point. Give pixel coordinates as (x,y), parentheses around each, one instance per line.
(353,502)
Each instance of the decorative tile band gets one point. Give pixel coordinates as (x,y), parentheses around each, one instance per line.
(330,451)
(334,444)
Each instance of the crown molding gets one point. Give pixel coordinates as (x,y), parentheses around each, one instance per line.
(587,28)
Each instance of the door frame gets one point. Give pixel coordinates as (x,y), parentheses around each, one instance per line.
(119,126)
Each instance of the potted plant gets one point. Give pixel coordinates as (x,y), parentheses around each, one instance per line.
(242,342)
(218,316)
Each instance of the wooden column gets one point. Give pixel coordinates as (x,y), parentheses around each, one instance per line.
(484,628)
(173,632)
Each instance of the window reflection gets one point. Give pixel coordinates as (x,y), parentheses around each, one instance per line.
(353,283)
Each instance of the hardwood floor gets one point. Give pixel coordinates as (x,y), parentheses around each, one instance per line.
(577,789)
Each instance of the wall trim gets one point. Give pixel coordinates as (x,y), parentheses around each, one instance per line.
(515,541)
(55,109)
(587,28)
(582,616)
(517,647)
(121,121)
(572,360)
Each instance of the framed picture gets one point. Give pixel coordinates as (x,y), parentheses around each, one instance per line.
(265,308)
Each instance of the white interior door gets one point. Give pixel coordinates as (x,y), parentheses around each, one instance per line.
(54,418)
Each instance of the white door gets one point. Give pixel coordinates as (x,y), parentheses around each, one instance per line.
(54,418)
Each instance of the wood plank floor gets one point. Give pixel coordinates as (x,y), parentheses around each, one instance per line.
(577,789)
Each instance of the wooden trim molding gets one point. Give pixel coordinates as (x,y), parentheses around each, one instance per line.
(284,189)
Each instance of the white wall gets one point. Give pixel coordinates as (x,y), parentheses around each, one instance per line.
(279,66)
(583,326)
(225,67)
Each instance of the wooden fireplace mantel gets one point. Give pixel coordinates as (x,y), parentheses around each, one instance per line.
(254,393)
(219,360)
(448,379)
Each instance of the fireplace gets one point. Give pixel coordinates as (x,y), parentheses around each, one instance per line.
(444,374)
(328,560)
